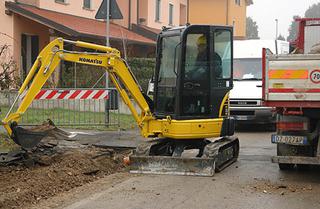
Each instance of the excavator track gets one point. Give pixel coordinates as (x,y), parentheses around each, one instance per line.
(166,156)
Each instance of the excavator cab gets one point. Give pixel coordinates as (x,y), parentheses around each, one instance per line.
(193,71)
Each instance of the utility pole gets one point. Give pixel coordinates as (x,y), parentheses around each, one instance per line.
(108,9)
(107,36)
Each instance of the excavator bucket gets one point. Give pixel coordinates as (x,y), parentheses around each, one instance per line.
(29,138)
(213,157)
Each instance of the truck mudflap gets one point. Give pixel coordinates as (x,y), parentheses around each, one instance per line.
(165,157)
(296,160)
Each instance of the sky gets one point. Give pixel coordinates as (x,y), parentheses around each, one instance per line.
(264,12)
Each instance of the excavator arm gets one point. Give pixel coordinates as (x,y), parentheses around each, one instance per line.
(106,57)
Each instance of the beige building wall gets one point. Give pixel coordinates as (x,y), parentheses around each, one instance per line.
(237,17)
(164,13)
(208,11)
(73,7)
(220,12)
(143,12)
(31,2)
(6,32)
(28,27)
(147,10)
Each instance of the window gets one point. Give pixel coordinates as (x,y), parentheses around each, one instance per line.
(222,57)
(238,2)
(61,1)
(170,14)
(87,4)
(158,4)
(247,69)
(168,74)
(195,95)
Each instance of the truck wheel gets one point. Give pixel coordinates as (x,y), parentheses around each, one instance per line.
(303,167)
(285,166)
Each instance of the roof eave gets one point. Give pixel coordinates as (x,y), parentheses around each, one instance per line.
(14,7)
(249,2)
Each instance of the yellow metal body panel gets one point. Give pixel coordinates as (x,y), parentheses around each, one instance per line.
(183,129)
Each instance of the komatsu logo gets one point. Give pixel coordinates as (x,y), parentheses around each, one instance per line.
(93,61)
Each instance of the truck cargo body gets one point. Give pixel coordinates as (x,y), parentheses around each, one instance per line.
(291,84)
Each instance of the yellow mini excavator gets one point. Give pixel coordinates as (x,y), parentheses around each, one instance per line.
(187,121)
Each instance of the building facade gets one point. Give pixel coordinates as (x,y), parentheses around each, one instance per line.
(221,12)
(29,25)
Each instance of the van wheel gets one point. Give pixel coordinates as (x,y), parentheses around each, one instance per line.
(303,167)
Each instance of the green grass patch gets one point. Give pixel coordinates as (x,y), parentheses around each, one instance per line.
(76,119)
(6,144)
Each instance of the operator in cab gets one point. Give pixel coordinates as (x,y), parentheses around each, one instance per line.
(201,65)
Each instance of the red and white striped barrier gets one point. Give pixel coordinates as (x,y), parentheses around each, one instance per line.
(49,94)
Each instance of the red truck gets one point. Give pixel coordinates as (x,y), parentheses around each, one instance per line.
(291,84)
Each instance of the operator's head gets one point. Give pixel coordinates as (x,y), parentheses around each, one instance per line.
(202,43)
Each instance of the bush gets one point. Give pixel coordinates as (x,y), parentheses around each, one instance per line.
(87,76)
(7,69)
(143,70)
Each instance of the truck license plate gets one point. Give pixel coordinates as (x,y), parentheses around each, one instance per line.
(294,140)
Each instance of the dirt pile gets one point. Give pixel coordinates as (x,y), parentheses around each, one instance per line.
(267,187)
(46,175)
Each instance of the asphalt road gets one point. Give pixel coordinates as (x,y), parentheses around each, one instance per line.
(252,182)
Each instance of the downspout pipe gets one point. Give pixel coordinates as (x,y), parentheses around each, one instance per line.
(129,18)
(188,21)
(138,10)
(227,12)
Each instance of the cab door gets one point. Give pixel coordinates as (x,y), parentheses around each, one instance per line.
(206,71)
(222,70)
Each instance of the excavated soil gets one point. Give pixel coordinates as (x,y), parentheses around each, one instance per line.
(268,187)
(45,174)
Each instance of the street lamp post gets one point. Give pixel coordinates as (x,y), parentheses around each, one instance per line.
(276,29)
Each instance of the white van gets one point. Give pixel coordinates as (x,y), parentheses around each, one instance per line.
(246,95)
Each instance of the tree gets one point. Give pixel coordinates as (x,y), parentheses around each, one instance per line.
(281,37)
(252,29)
(313,11)
(293,29)
(7,69)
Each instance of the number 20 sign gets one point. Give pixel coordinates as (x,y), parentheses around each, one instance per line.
(315,76)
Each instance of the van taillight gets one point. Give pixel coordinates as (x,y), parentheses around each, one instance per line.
(292,126)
